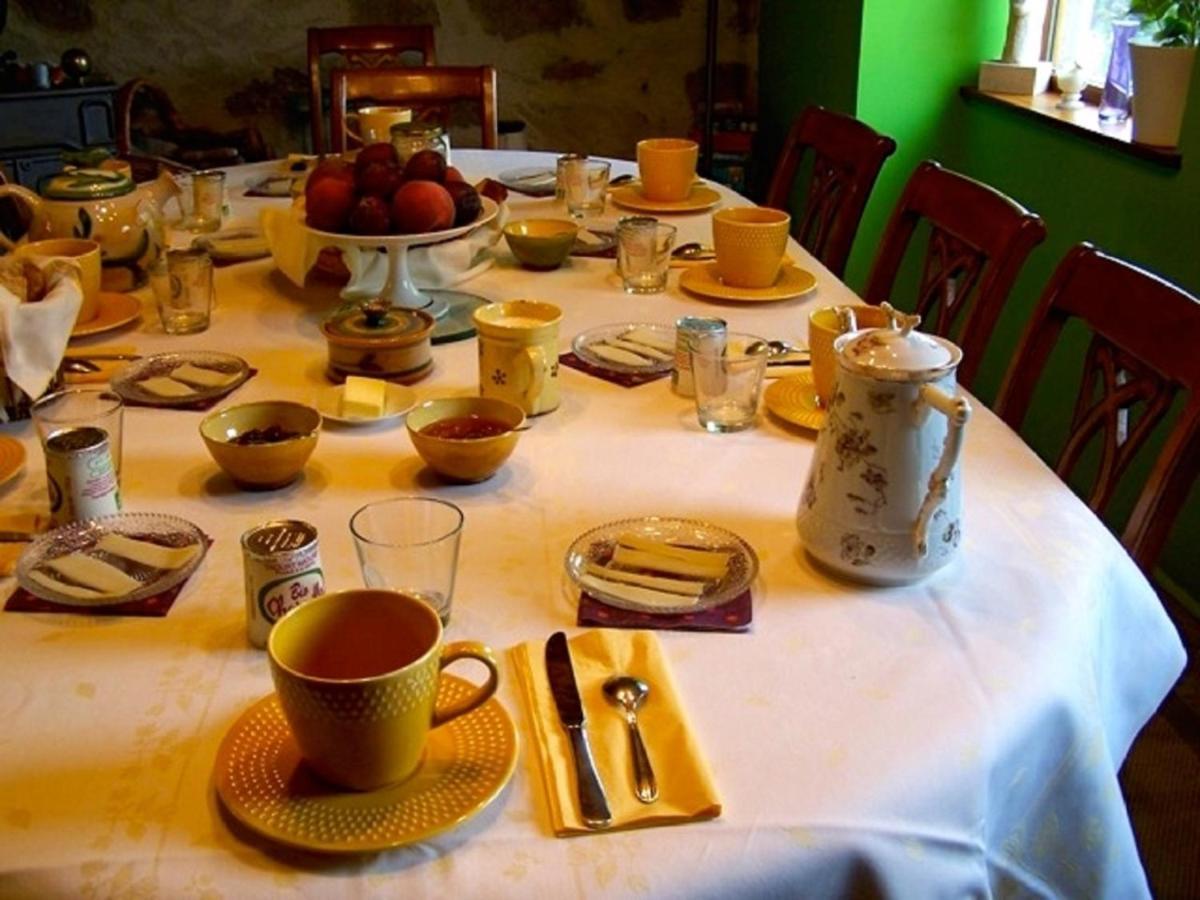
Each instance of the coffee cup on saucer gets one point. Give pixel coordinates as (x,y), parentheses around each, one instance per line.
(667,167)
(750,243)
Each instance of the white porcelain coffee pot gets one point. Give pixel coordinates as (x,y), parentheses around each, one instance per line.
(883,501)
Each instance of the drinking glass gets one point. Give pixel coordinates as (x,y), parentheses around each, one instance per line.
(644,253)
(208,199)
(82,408)
(729,381)
(585,185)
(410,544)
(183,288)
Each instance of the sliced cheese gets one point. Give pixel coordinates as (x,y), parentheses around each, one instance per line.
(650,338)
(617,355)
(363,398)
(202,377)
(93,573)
(69,590)
(641,349)
(657,562)
(670,585)
(688,554)
(156,556)
(166,387)
(639,595)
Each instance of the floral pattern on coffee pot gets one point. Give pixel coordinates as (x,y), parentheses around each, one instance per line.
(883,499)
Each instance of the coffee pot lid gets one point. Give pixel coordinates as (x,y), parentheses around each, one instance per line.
(86,184)
(898,352)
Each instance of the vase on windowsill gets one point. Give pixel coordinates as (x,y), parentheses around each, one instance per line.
(1161,79)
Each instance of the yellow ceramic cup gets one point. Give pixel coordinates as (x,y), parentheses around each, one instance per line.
(83,256)
(374,123)
(357,676)
(667,167)
(824,326)
(750,242)
(518,353)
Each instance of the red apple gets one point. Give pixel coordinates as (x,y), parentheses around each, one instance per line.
(328,202)
(372,153)
(370,216)
(379,179)
(452,174)
(425,165)
(421,206)
(466,202)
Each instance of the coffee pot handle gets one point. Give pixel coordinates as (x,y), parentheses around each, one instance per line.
(957,411)
(467,650)
(34,202)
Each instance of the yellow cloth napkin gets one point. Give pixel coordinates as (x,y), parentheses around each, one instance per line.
(27,522)
(107,367)
(685,787)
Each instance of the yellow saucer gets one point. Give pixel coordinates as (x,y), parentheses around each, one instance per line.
(794,400)
(12,458)
(115,310)
(792,282)
(263,782)
(700,198)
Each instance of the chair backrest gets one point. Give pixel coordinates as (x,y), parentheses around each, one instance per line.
(141,94)
(1142,354)
(360,47)
(847,157)
(978,241)
(431,87)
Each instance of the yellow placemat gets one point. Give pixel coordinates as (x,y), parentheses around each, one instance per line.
(686,789)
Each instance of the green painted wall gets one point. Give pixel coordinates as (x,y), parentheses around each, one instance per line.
(913,57)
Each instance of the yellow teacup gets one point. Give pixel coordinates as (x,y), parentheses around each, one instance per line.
(667,167)
(374,123)
(357,676)
(824,326)
(750,242)
(518,353)
(84,256)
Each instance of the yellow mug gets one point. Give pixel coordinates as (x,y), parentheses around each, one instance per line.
(81,255)
(824,326)
(518,353)
(667,167)
(374,123)
(750,243)
(357,676)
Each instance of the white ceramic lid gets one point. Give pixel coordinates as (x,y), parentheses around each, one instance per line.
(898,352)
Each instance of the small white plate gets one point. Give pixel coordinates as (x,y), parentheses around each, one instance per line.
(398,400)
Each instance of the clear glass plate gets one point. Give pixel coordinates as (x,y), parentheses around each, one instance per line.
(583,343)
(597,545)
(127,382)
(169,531)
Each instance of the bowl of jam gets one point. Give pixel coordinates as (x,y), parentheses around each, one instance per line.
(262,445)
(465,438)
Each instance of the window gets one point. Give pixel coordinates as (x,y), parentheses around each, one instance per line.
(1082,31)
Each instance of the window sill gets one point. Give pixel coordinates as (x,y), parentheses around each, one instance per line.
(1084,123)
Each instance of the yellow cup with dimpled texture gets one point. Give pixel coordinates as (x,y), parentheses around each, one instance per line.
(667,167)
(357,676)
(824,326)
(750,242)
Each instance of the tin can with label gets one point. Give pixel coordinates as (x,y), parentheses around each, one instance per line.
(283,570)
(80,475)
(691,333)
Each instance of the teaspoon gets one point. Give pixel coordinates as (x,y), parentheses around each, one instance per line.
(628,693)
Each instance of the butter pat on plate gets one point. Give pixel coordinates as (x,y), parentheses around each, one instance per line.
(363,398)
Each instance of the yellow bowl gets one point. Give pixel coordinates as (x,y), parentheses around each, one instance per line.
(541,243)
(268,465)
(465,459)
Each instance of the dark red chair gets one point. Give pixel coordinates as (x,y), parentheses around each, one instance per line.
(1142,354)
(846,158)
(978,241)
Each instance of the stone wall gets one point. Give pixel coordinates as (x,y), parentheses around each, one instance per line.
(585,75)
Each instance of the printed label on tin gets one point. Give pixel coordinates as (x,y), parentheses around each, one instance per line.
(277,597)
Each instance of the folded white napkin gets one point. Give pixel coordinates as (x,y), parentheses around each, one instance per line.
(33,336)
(295,249)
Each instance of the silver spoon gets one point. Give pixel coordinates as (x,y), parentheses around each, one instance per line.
(693,250)
(628,693)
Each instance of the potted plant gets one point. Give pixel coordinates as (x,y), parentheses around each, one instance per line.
(1162,72)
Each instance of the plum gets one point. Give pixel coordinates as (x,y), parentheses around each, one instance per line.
(371,215)
(426,165)
(467,204)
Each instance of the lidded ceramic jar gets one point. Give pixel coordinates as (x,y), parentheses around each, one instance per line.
(376,340)
(883,499)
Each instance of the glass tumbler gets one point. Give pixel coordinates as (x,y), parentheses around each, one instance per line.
(82,408)
(729,382)
(208,199)
(183,289)
(585,185)
(644,253)
(410,545)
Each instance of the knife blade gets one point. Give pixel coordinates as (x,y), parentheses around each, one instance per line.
(593,804)
(16,537)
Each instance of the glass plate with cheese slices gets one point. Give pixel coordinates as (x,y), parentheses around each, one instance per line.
(661,565)
(180,379)
(110,560)
(628,347)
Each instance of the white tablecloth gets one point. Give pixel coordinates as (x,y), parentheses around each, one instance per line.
(956,738)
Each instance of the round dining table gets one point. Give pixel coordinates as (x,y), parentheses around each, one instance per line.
(957,737)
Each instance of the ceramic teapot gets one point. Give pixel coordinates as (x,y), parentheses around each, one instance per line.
(883,501)
(98,204)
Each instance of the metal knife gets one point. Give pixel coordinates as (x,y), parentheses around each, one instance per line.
(593,805)
(16,537)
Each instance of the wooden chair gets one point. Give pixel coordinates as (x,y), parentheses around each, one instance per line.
(847,156)
(360,47)
(979,240)
(1145,332)
(428,88)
